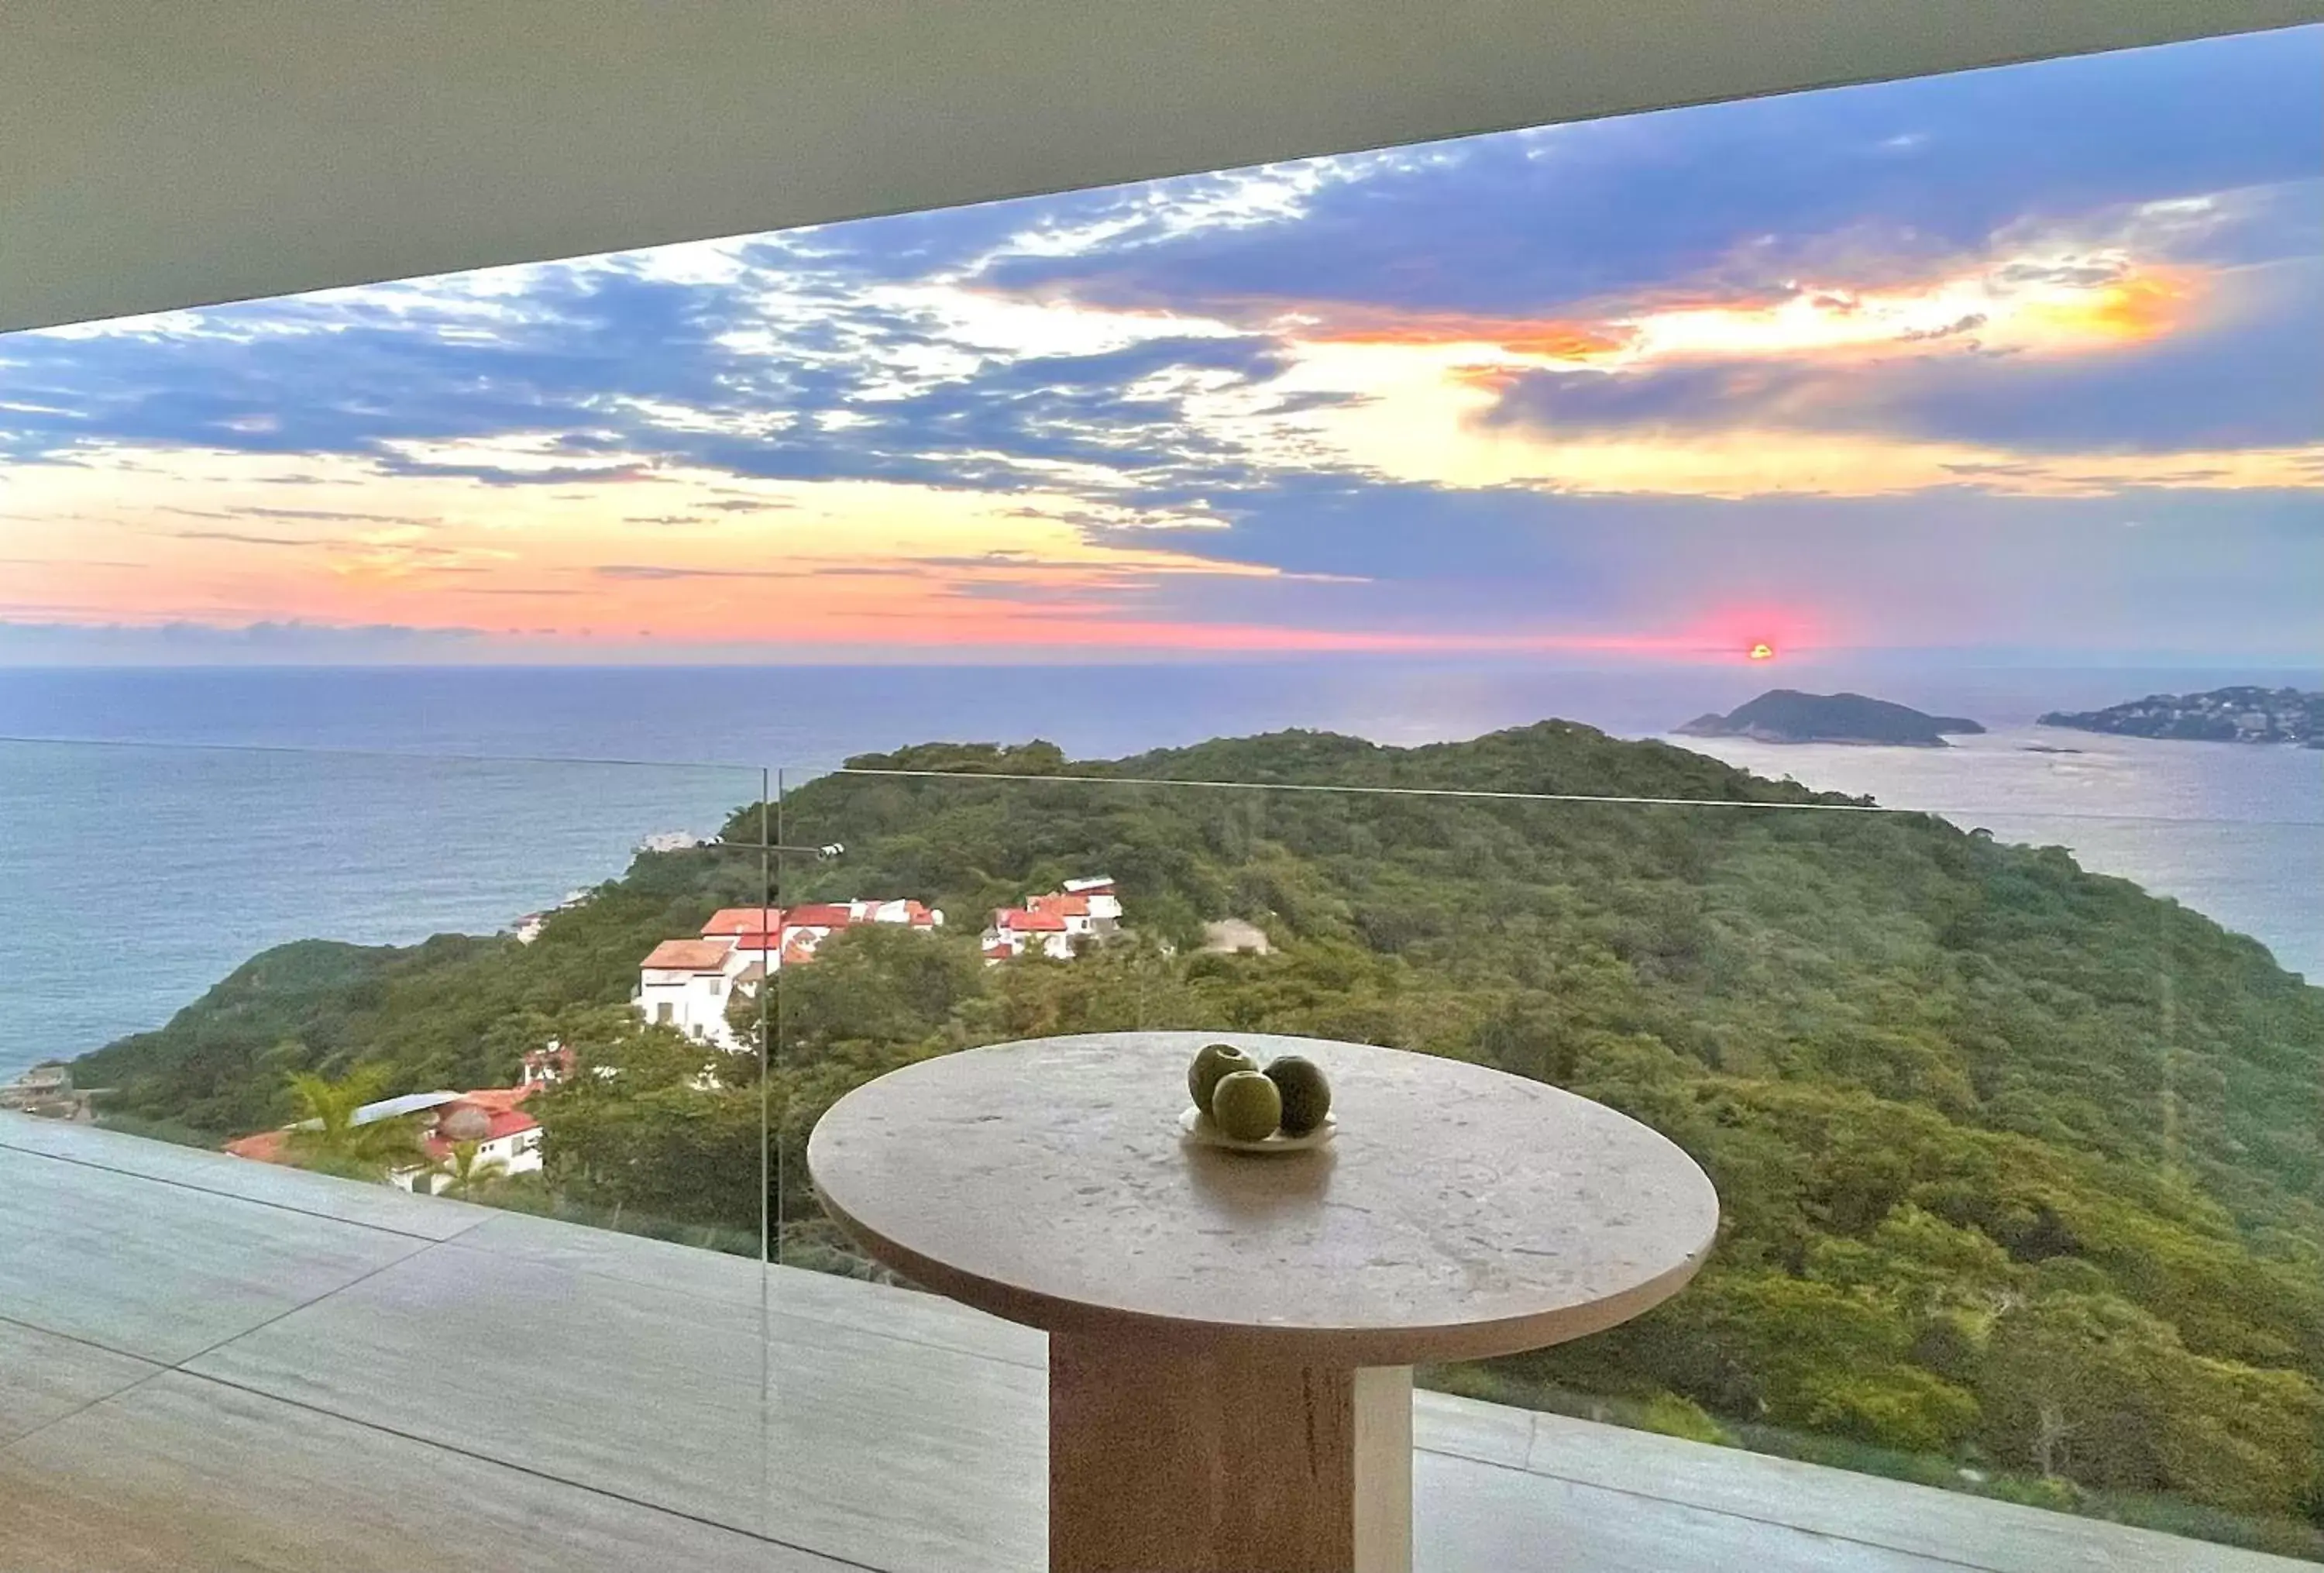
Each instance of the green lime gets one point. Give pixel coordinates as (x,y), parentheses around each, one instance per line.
(1246,1106)
(1306,1095)
(1215,1060)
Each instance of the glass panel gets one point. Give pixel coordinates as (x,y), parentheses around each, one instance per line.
(909,903)
(453,981)
(2018,1161)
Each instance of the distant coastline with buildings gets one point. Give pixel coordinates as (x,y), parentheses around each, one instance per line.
(2243,714)
(47,1090)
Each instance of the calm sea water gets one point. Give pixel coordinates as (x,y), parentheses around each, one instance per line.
(158,827)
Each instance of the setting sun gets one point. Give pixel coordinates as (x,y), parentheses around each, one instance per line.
(1763,652)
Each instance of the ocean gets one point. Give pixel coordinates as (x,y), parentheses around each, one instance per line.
(159,826)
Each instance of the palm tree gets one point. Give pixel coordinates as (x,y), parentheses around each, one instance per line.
(464,1171)
(331,1140)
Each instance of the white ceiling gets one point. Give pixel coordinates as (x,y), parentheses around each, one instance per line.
(169,153)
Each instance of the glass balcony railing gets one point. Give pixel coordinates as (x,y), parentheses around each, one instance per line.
(420,1146)
(2015,1142)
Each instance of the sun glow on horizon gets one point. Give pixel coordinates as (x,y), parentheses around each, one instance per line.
(1635,391)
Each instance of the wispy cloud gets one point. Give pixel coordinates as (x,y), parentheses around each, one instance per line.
(625,570)
(1512,392)
(239,538)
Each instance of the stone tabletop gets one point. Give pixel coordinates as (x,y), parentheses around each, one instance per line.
(1461,1212)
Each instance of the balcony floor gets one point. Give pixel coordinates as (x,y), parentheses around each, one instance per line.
(211,1364)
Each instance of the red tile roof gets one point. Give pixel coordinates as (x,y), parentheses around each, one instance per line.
(496,1102)
(818,915)
(1061,904)
(266,1146)
(790,945)
(493,1100)
(499,1103)
(688,956)
(1025,922)
(505,1121)
(742,920)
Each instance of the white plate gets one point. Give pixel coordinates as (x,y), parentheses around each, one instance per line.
(1198,1128)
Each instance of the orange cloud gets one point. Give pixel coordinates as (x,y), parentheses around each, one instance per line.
(1547,339)
(866,563)
(2038,302)
(1410,395)
(2133,309)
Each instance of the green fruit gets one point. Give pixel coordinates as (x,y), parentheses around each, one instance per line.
(1246,1106)
(1215,1060)
(1306,1095)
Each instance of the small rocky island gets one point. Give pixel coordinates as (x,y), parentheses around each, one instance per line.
(1788,716)
(2246,714)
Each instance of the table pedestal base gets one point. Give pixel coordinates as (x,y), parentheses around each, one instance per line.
(1169,1463)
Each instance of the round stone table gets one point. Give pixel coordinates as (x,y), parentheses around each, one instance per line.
(1231,1334)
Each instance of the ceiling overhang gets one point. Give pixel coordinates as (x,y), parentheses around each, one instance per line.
(155,156)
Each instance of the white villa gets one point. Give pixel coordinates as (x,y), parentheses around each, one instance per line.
(504,1136)
(1055,922)
(688,984)
(1014,931)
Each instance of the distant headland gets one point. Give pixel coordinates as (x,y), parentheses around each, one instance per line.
(2231,714)
(1788,716)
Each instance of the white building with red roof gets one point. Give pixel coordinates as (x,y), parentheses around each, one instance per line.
(1055,922)
(733,922)
(788,934)
(910,914)
(492,1117)
(690,983)
(1014,931)
(1104,901)
(819,919)
(685,984)
(505,1136)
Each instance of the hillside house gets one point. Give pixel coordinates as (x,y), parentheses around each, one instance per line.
(1055,922)
(734,923)
(505,1134)
(46,1089)
(1015,930)
(268,1146)
(811,923)
(685,984)
(690,983)
(1104,902)
(489,1116)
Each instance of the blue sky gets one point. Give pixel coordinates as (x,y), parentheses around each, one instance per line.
(2028,360)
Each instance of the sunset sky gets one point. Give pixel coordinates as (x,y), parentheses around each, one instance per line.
(2027,361)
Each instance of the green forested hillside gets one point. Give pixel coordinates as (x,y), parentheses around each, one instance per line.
(2019,1165)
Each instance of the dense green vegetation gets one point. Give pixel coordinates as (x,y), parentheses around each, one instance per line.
(2021,1168)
